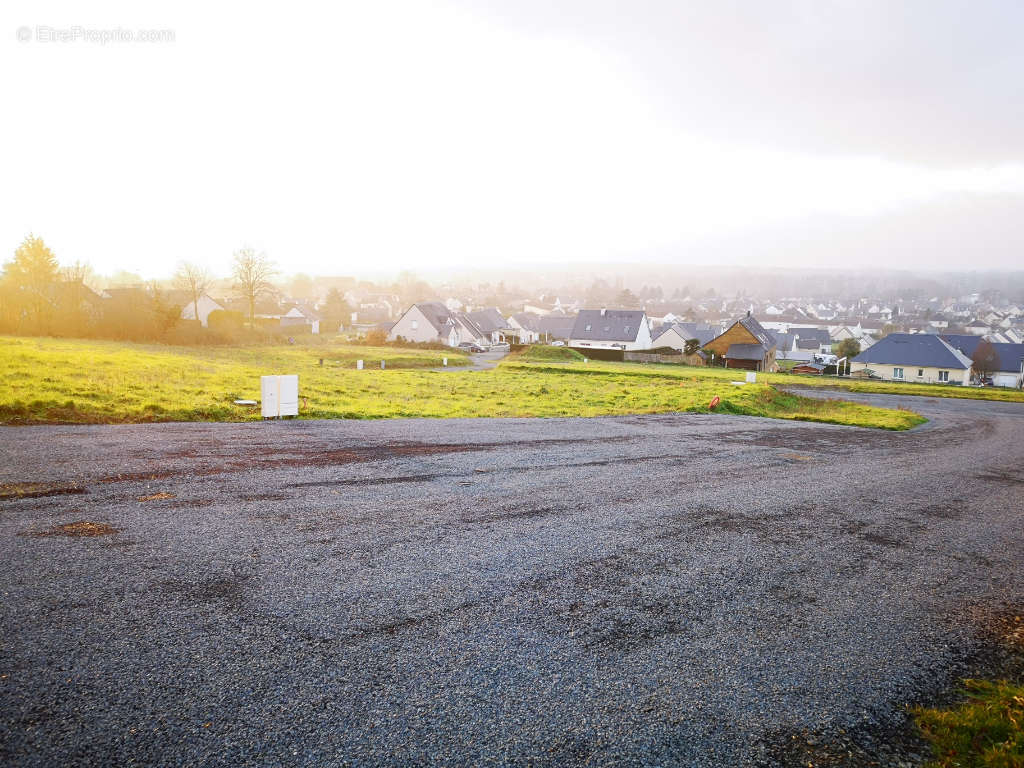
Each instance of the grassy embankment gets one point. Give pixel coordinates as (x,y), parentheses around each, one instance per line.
(848,385)
(61,380)
(986,730)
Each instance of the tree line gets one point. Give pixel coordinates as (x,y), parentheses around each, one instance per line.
(38,296)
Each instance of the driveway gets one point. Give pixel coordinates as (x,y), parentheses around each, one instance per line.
(654,590)
(479,361)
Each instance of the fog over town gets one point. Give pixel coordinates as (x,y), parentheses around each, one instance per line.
(409,136)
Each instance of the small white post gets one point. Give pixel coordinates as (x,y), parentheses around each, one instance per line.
(359,365)
(444,361)
(382,365)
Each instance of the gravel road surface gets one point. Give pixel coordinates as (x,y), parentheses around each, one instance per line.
(658,590)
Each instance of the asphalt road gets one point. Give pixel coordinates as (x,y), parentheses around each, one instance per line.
(658,590)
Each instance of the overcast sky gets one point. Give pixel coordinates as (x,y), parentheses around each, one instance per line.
(361,137)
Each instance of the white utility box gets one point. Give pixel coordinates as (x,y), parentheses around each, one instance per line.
(279,396)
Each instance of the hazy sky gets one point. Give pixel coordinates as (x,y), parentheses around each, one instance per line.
(360,137)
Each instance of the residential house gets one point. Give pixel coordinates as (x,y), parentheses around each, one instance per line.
(1011,357)
(816,339)
(299,315)
(491,322)
(745,344)
(432,321)
(920,357)
(524,327)
(556,327)
(785,347)
(531,328)
(190,308)
(624,329)
(675,335)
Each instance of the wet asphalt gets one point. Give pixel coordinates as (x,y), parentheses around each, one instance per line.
(649,590)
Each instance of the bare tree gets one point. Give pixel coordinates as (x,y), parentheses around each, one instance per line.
(252,272)
(79,272)
(985,358)
(194,280)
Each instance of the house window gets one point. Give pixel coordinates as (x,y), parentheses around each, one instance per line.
(588,328)
(897,373)
(415,324)
(626,329)
(920,373)
(944,376)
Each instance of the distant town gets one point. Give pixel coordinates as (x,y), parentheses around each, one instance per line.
(906,333)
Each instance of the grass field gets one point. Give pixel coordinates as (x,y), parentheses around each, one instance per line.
(540,353)
(796,380)
(62,380)
(986,731)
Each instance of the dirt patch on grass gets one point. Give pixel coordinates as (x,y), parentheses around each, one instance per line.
(36,490)
(77,530)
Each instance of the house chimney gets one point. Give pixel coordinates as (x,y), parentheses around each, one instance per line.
(603,310)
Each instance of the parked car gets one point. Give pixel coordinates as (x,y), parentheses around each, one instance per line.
(557,343)
(501,346)
(469,346)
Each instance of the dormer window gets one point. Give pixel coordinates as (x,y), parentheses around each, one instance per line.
(588,327)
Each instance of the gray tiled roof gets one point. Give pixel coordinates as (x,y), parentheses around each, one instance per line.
(817,334)
(608,324)
(784,341)
(528,320)
(488,320)
(557,326)
(437,314)
(1009,354)
(921,349)
(746,352)
(702,334)
(758,330)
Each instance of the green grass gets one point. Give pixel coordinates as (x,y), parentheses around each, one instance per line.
(986,731)
(796,380)
(62,380)
(540,353)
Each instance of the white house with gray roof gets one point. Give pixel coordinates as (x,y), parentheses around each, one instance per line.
(920,357)
(432,321)
(676,335)
(625,329)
